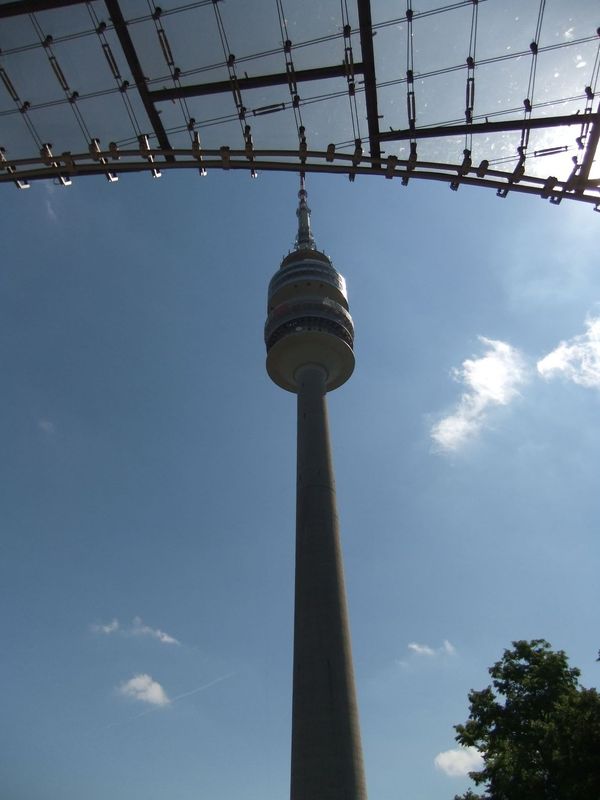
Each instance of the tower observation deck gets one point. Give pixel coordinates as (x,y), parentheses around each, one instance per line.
(309,337)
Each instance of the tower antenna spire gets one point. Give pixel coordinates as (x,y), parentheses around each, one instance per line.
(305,239)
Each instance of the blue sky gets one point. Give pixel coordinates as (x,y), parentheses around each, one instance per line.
(147,474)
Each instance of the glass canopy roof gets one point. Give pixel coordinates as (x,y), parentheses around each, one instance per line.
(501,94)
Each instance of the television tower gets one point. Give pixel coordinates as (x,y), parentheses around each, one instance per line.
(309,337)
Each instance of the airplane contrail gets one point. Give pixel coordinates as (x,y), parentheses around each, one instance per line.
(203,687)
(171,701)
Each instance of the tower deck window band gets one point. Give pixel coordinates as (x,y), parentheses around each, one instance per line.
(309,337)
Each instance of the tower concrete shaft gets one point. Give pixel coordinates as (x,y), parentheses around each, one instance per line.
(326,750)
(309,335)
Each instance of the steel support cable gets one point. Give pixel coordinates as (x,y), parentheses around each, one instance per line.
(469,98)
(536,155)
(411,106)
(458,121)
(289,66)
(169,12)
(71,96)
(153,81)
(519,170)
(230,62)
(100,30)
(433,12)
(381,84)
(590,93)
(137,73)
(589,139)
(306,43)
(528,101)
(432,128)
(175,72)
(293,87)
(253,56)
(70,37)
(596,68)
(349,64)
(204,123)
(350,76)
(515,110)
(22,107)
(470,90)
(191,6)
(491,60)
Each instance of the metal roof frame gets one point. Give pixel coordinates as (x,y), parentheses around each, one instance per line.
(63,167)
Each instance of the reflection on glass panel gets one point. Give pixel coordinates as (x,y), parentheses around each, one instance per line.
(261,32)
(506,29)
(442,40)
(31,77)
(438,97)
(320,54)
(63,22)
(329,122)
(16,139)
(390,53)
(313,19)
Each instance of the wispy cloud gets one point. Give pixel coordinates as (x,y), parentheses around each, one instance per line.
(137,628)
(46,426)
(447,649)
(50,190)
(459,762)
(145,689)
(491,380)
(107,629)
(577,359)
(421,649)
(50,211)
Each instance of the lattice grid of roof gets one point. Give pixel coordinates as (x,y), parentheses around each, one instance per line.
(481,92)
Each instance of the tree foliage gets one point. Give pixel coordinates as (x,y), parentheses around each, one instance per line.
(536,727)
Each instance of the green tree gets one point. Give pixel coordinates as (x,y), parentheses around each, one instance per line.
(536,727)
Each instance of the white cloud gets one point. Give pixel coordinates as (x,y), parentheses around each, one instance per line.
(137,628)
(447,649)
(577,359)
(50,200)
(50,211)
(421,649)
(46,426)
(110,627)
(491,380)
(459,762)
(145,689)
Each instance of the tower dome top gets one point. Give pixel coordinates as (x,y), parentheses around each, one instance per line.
(308,321)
